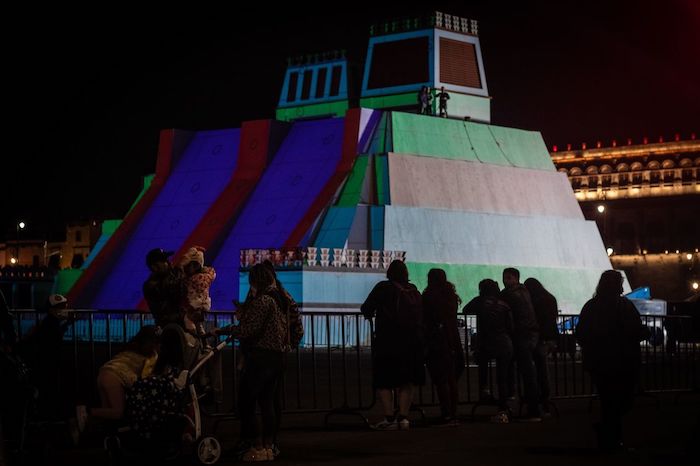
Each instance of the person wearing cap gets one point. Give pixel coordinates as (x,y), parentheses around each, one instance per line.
(198,279)
(42,350)
(163,290)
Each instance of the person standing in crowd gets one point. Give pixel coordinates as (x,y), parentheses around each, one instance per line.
(43,352)
(295,329)
(8,334)
(525,338)
(546,312)
(609,331)
(296,333)
(10,374)
(494,324)
(264,331)
(445,354)
(443,97)
(164,289)
(398,343)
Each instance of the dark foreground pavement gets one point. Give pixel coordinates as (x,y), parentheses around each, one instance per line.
(662,431)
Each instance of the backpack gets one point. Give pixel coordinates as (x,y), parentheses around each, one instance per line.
(294,324)
(409,308)
(288,307)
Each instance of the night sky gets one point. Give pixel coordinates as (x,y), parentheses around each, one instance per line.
(86,93)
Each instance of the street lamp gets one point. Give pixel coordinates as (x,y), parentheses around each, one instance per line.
(601,211)
(20,226)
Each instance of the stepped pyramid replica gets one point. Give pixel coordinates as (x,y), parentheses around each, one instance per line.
(332,191)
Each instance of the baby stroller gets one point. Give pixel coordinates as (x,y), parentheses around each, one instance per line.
(164,411)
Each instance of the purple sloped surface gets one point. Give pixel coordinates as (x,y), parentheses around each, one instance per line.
(301,167)
(197,179)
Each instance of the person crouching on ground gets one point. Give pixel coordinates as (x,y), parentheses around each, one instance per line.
(118,374)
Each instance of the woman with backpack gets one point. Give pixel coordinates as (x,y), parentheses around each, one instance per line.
(445,354)
(397,347)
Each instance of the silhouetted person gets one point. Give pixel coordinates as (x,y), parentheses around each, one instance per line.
(494,341)
(8,334)
(164,289)
(264,330)
(546,312)
(609,331)
(445,354)
(43,351)
(296,333)
(10,387)
(525,337)
(398,343)
(443,97)
(116,376)
(425,99)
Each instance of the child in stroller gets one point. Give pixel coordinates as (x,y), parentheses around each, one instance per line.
(163,411)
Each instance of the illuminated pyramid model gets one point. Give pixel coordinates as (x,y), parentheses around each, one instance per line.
(457,193)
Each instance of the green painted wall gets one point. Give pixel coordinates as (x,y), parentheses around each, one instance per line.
(65,279)
(381,170)
(337,109)
(350,196)
(571,287)
(389,101)
(459,140)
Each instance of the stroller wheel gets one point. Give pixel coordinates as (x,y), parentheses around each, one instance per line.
(113,447)
(208,450)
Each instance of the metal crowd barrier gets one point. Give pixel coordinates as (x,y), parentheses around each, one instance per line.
(331,370)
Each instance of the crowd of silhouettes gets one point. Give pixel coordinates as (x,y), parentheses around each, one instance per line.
(413,330)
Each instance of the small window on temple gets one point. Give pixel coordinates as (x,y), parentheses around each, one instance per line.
(335,80)
(306,85)
(321,82)
(292,90)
